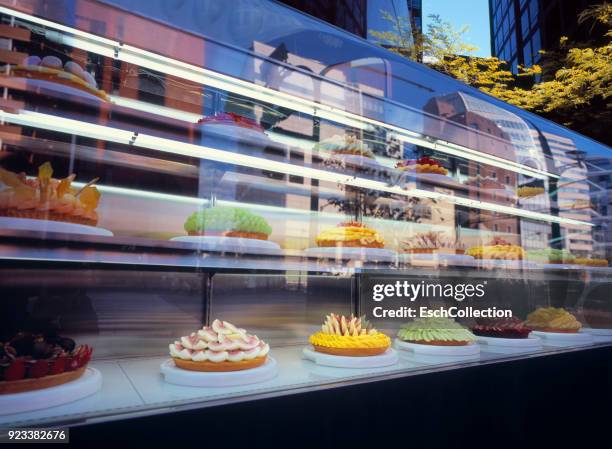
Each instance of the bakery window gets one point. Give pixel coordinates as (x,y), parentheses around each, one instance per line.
(192,218)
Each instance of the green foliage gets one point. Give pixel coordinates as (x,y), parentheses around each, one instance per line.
(574,87)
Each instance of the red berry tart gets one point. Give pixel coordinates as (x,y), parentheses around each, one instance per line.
(501,328)
(34,361)
(424,164)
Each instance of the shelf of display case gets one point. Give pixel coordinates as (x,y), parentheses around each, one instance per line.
(168,146)
(135,387)
(116,50)
(29,246)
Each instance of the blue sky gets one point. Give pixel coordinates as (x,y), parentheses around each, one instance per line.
(474,13)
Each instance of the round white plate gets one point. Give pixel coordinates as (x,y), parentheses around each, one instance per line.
(229,244)
(601,332)
(555,266)
(530,342)
(30,224)
(439,259)
(227,131)
(86,385)
(371,254)
(339,361)
(436,177)
(186,378)
(563,339)
(507,264)
(355,161)
(466,350)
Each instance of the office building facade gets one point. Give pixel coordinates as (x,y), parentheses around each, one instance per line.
(521,28)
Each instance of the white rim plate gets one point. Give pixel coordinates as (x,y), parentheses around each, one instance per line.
(334,252)
(355,161)
(503,263)
(86,385)
(440,258)
(594,331)
(227,131)
(178,376)
(30,224)
(466,350)
(562,339)
(337,361)
(229,244)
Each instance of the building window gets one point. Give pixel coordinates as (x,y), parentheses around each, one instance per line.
(536,45)
(527,53)
(533,11)
(525,23)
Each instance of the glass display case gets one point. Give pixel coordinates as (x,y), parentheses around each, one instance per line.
(170,168)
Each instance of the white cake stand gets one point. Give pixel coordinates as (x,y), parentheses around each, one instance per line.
(338,361)
(369,254)
(31,224)
(461,260)
(356,161)
(230,244)
(433,350)
(509,345)
(178,376)
(86,385)
(564,339)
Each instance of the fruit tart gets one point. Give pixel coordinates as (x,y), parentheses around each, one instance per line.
(228,222)
(501,328)
(423,164)
(348,144)
(551,255)
(529,192)
(590,262)
(47,198)
(51,68)
(498,249)
(35,361)
(432,243)
(435,331)
(352,337)
(553,319)
(222,119)
(350,234)
(219,347)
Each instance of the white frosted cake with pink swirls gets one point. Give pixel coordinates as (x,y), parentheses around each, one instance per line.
(219,347)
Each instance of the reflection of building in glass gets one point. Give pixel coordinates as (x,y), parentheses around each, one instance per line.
(600,189)
(521,28)
(573,197)
(361,16)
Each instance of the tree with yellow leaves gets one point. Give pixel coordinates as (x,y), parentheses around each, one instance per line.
(575,88)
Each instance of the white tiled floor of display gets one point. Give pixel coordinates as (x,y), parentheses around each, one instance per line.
(132,385)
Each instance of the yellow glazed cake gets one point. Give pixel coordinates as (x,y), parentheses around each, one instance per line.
(350,235)
(349,337)
(552,319)
(497,249)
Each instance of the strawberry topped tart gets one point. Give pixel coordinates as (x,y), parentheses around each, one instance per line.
(219,347)
(31,361)
(232,124)
(230,118)
(423,164)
